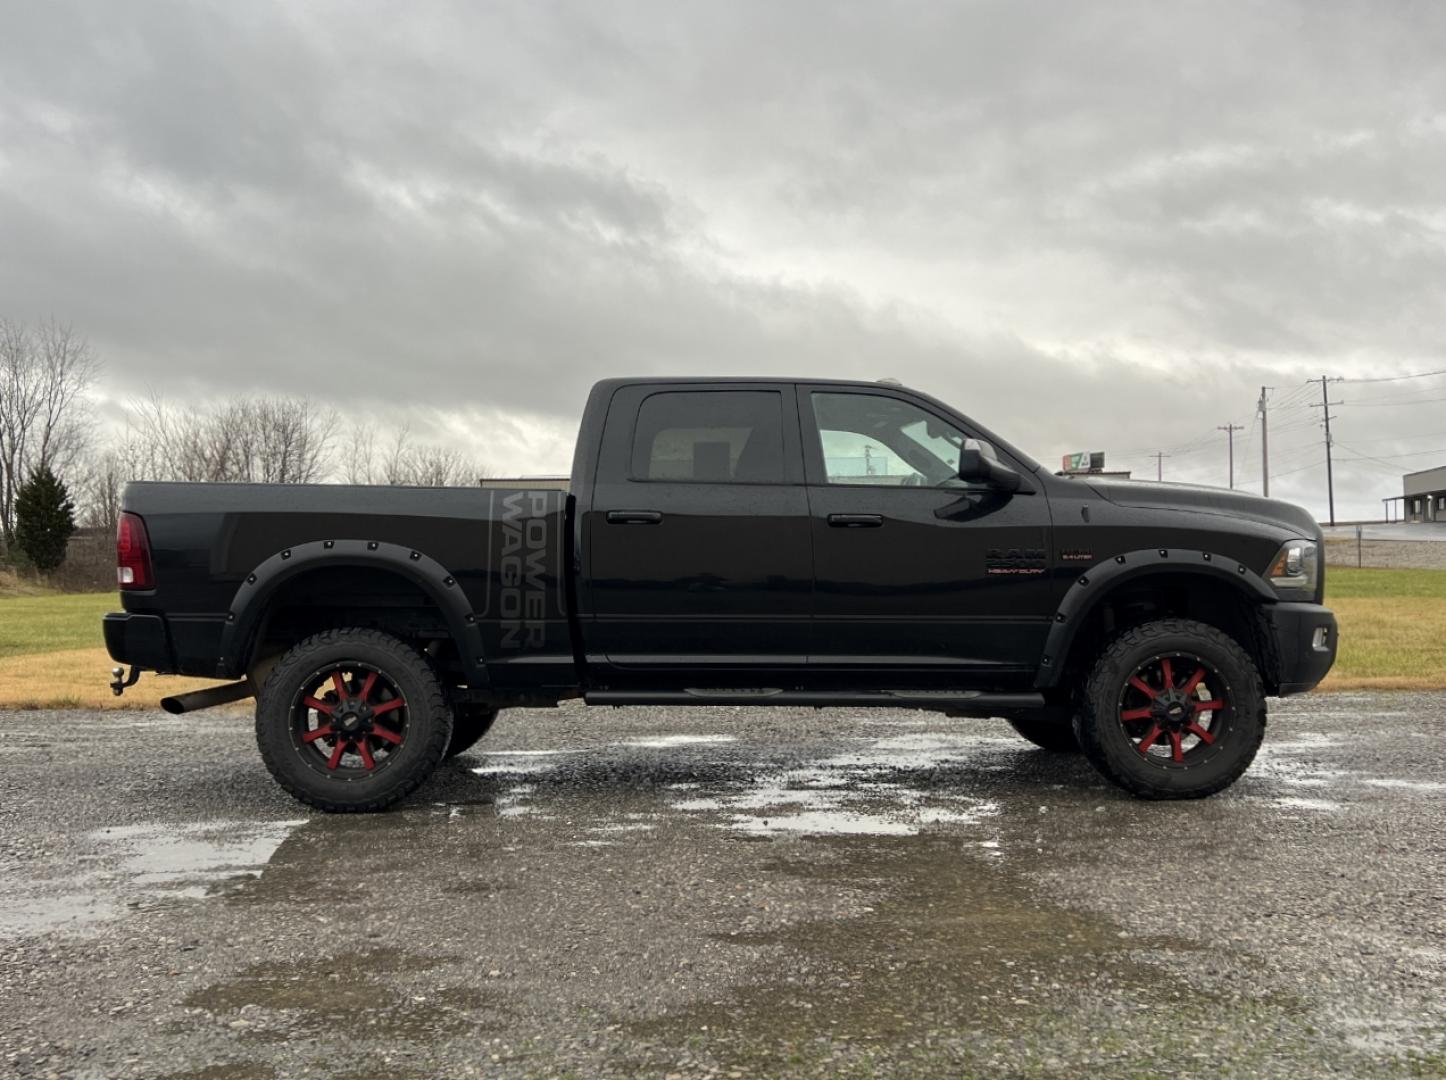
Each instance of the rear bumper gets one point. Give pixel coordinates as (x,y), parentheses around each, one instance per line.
(139,640)
(1305,645)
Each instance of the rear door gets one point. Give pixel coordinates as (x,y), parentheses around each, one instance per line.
(697,536)
(920,578)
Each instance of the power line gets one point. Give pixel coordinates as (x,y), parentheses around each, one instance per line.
(1295,398)
(1303,468)
(1403,438)
(1374,463)
(1399,378)
(1392,457)
(1147,451)
(1288,472)
(1388,404)
(1294,456)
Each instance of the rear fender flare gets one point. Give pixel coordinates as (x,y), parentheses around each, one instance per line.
(249,607)
(1095,585)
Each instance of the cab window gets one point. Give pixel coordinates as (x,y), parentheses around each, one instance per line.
(710,436)
(883,441)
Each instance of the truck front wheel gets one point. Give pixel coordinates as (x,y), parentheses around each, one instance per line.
(1173,709)
(351,721)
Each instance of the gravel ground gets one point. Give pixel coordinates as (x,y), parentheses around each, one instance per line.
(729,892)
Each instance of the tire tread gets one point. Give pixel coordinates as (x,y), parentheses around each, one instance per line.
(434,700)
(1103,684)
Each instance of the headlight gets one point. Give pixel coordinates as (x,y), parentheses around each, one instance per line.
(1295,568)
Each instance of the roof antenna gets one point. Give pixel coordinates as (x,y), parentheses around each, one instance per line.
(889,382)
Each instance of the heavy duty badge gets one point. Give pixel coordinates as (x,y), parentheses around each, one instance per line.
(1015,561)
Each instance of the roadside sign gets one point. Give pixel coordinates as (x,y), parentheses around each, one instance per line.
(1084,461)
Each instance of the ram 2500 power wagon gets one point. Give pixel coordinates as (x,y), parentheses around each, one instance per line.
(732,541)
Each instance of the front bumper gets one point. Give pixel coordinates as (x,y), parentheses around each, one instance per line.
(1305,638)
(138,640)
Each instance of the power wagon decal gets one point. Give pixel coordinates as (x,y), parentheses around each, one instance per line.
(522,602)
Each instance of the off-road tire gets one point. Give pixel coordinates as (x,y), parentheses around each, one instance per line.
(1047,730)
(469,723)
(428,721)
(1111,749)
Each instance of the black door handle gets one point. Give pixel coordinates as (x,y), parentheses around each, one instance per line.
(855,521)
(634,517)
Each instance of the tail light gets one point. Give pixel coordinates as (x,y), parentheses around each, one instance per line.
(133,554)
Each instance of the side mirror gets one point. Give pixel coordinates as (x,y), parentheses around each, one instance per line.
(976,468)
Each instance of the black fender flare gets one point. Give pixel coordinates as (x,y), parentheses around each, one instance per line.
(1094,585)
(249,606)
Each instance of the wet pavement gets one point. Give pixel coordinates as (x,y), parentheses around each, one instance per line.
(727,891)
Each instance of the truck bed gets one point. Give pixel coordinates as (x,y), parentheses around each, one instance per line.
(492,557)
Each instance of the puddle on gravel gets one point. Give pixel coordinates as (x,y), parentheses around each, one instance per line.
(670,742)
(962,967)
(1320,806)
(1423,786)
(138,866)
(863,792)
(24,915)
(347,994)
(224,1072)
(187,859)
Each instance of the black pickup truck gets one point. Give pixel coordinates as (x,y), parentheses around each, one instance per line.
(732,541)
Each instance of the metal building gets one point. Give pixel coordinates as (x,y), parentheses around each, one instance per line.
(1424,495)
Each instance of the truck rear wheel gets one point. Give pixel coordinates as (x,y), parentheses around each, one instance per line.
(351,721)
(469,723)
(1173,709)
(1047,729)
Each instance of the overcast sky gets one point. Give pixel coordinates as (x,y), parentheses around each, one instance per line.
(1093,226)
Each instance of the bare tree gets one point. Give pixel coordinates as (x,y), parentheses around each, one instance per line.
(252,440)
(407,464)
(262,440)
(292,441)
(438,466)
(100,497)
(45,372)
(359,460)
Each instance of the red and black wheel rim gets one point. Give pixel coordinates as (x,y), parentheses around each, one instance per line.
(349,720)
(1176,710)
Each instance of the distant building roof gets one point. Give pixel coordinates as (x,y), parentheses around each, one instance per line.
(1425,482)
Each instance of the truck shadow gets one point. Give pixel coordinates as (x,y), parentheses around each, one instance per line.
(590,772)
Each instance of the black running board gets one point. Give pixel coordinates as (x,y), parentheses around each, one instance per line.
(954,702)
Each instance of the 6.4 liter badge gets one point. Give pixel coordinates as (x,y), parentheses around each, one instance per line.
(1016,561)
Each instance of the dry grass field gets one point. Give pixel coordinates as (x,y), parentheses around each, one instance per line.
(1393,623)
(1393,629)
(52,655)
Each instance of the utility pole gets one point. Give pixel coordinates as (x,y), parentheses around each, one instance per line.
(1230,430)
(1325,407)
(1159,456)
(1264,445)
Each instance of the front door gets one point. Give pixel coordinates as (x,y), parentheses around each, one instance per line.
(920,578)
(698,535)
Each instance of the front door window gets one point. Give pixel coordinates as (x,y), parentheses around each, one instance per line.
(870,439)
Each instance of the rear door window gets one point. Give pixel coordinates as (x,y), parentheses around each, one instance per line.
(710,437)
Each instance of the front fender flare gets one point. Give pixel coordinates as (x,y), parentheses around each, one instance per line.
(249,606)
(1095,584)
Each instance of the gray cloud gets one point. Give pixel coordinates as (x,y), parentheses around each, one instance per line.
(1092,226)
